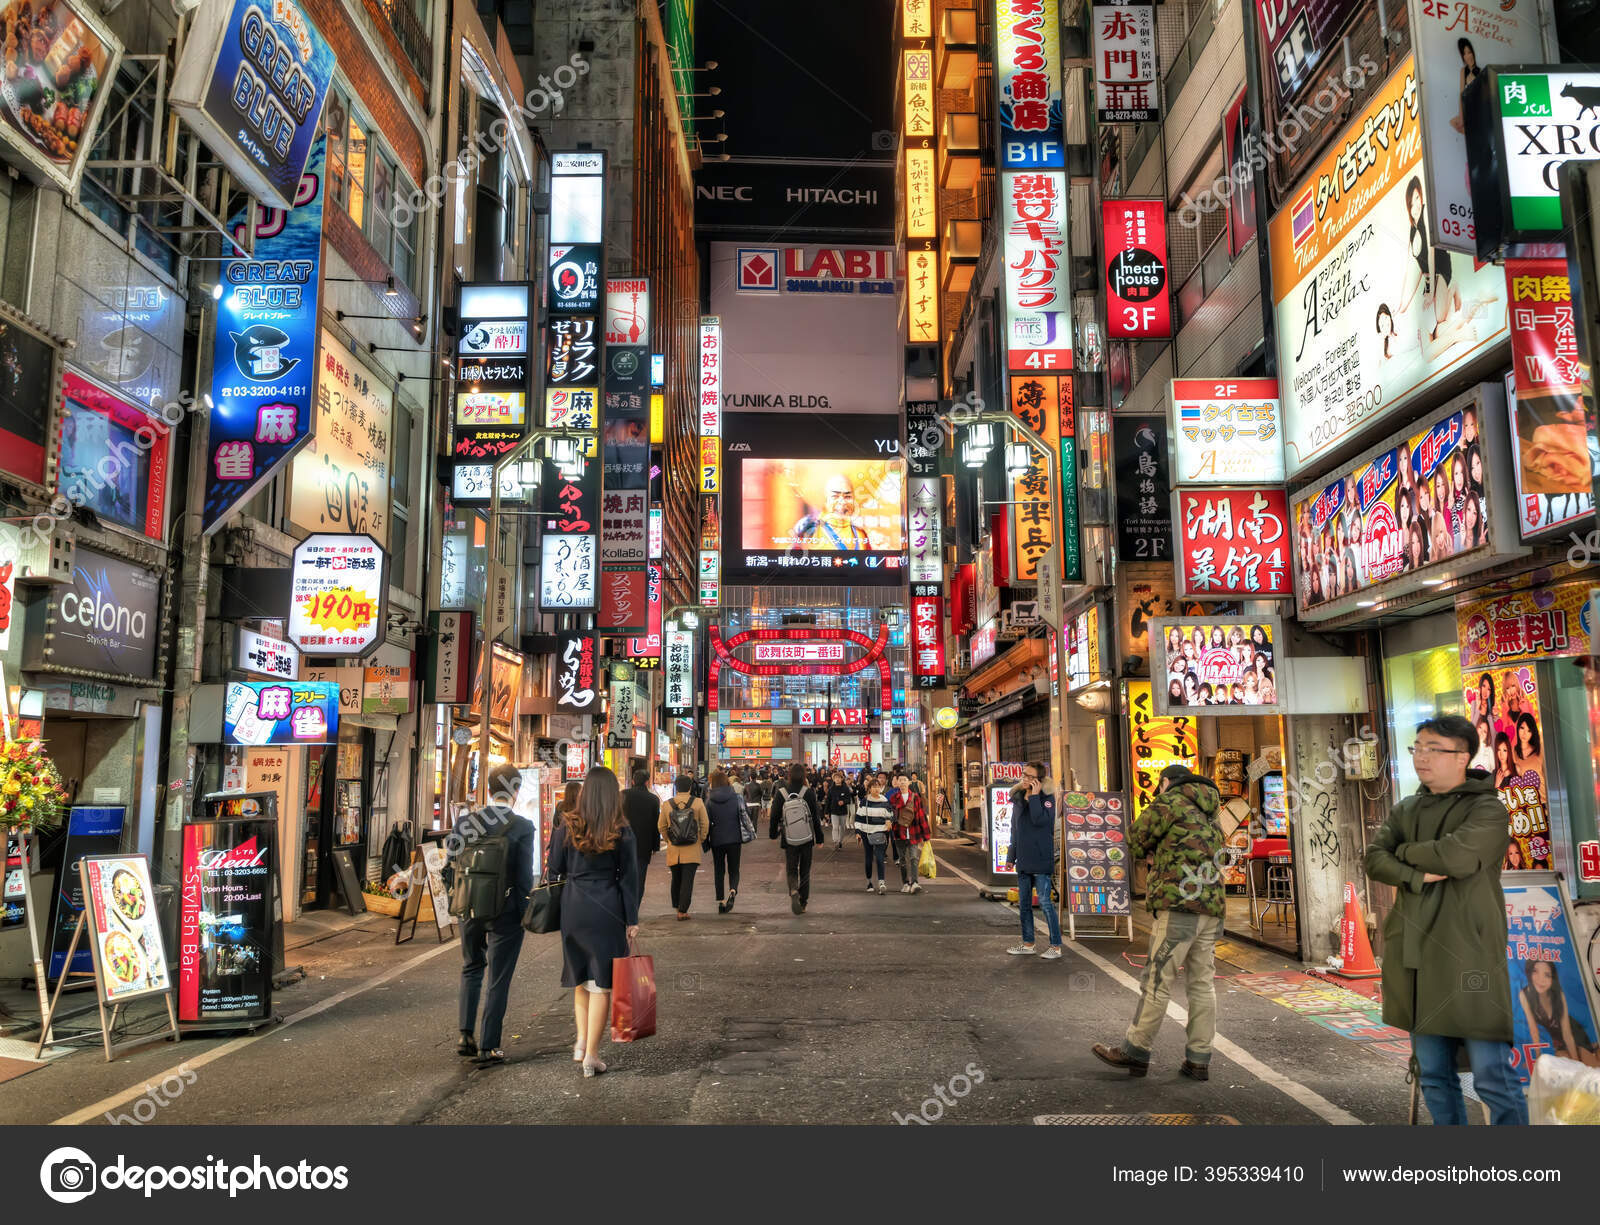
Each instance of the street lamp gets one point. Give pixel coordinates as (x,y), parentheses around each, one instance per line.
(1017,461)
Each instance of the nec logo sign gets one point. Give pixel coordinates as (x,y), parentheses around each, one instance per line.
(722,192)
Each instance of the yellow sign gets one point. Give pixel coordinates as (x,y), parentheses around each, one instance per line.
(479,409)
(922,213)
(918,18)
(710,465)
(1157,742)
(919,93)
(922,297)
(658,419)
(947,717)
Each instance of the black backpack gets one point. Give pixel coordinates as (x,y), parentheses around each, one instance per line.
(482,878)
(683,827)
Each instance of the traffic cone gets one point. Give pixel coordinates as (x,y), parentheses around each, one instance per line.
(1355,950)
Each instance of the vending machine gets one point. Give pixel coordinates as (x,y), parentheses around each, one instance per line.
(1274,816)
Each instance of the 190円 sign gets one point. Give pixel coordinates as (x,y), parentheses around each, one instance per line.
(338,595)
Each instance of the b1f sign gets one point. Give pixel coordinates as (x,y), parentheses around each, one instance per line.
(1138,306)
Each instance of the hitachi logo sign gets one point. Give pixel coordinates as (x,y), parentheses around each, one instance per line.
(826,195)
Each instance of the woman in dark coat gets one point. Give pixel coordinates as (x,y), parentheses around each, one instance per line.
(724,806)
(593,849)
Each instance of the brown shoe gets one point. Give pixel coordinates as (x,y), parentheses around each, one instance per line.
(1195,1071)
(1119,1058)
(682,915)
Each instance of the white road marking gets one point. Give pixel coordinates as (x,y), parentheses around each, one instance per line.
(104,1106)
(950,867)
(1309,1098)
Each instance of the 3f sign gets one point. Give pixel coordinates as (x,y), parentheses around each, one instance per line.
(1138,319)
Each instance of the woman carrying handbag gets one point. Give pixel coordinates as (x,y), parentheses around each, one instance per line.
(593,852)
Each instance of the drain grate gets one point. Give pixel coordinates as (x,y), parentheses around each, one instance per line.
(1135,1120)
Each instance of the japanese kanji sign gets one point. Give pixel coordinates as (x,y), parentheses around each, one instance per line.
(1144,492)
(1033,206)
(573,358)
(647,650)
(1549,390)
(577,673)
(1027,69)
(1226,431)
(922,212)
(1038,402)
(1524,626)
(624,600)
(922,296)
(338,596)
(568,572)
(927,636)
(280,712)
(924,528)
(710,377)
(1156,743)
(1233,542)
(1135,237)
(340,482)
(1126,85)
(575,279)
(679,699)
(628,311)
(918,83)
(624,530)
(262,376)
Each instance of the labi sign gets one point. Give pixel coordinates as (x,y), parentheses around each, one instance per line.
(1521,125)
(252,81)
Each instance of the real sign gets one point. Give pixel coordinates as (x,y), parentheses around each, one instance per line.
(338,595)
(1349,265)
(1038,261)
(1226,432)
(252,82)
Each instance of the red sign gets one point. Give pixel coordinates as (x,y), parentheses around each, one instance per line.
(1544,344)
(841,718)
(649,647)
(1233,542)
(624,600)
(832,264)
(1136,269)
(927,637)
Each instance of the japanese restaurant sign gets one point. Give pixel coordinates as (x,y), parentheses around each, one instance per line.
(927,636)
(1033,207)
(1233,542)
(576,673)
(1157,742)
(1126,87)
(1097,861)
(1227,432)
(338,595)
(1027,69)
(1144,492)
(340,481)
(1355,337)
(1040,403)
(922,297)
(679,699)
(568,572)
(710,377)
(1548,389)
(628,311)
(921,194)
(1138,306)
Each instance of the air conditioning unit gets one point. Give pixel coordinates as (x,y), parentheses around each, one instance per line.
(47,558)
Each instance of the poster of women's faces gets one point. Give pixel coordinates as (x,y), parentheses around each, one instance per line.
(1503,704)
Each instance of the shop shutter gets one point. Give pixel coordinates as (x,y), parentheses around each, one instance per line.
(1026,736)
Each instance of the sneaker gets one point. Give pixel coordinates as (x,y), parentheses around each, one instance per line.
(905,888)
(882,888)
(795,904)
(871,888)
(916,887)
(1022,950)
(1053,953)
(467,1045)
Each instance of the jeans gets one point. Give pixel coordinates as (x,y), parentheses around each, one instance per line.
(491,944)
(838,820)
(1492,1077)
(683,885)
(1178,937)
(726,858)
(878,855)
(1027,882)
(906,855)
(797,866)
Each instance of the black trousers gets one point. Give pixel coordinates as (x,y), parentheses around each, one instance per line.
(797,865)
(683,885)
(644,867)
(726,858)
(491,945)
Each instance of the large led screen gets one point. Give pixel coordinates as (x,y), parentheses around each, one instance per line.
(821,500)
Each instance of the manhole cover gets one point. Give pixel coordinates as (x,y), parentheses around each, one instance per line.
(1135,1120)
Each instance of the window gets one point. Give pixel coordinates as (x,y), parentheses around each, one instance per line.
(337,117)
(400,495)
(405,252)
(356,160)
(94,426)
(365,181)
(379,226)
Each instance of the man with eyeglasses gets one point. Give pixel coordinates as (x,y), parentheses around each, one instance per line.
(1445,978)
(1033,855)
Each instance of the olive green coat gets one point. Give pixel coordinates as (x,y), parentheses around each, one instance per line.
(1444,944)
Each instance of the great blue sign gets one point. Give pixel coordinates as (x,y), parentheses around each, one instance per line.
(252,81)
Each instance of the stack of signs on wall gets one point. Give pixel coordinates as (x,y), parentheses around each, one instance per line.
(625,503)
(1097,863)
(1502,639)
(925,540)
(645,652)
(570,498)
(494,377)
(262,375)
(1044,404)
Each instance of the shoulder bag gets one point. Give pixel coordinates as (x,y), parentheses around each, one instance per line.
(543,912)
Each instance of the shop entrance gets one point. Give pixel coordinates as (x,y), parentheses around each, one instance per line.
(338,813)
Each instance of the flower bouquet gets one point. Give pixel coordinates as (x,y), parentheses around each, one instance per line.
(31,793)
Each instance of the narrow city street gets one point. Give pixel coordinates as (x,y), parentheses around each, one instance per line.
(852,1013)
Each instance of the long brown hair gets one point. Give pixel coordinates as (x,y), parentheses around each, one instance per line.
(595,822)
(569,798)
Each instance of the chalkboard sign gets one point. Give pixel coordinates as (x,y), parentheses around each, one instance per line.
(344,872)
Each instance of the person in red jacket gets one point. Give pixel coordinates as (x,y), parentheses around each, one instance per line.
(910,830)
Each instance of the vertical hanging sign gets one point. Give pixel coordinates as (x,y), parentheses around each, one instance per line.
(1125,85)
(1028,84)
(1137,302)
(1033,206)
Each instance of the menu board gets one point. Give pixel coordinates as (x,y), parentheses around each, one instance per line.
(124,929)
(1095,850)
(225,928)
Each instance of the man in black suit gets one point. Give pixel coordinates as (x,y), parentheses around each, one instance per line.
(642,809)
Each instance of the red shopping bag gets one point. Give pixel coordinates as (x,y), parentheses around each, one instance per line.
(633,998)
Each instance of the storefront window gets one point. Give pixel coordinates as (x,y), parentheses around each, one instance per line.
(1573,798)
(1420,685)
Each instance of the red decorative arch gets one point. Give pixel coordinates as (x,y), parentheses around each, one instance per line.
(873,652)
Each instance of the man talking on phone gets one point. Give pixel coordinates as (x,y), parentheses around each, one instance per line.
(1033,853)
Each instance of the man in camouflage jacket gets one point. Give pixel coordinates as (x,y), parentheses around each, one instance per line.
(1179,831)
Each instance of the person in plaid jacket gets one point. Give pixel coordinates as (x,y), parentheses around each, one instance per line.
(909,831)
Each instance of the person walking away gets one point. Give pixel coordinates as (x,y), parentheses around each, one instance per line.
(797,825)
(1033,854)
(837,801)
(910,831)
(592,849)
(874,815)
(727,812)
(684,823)
(643,813)
(495,875)
(1445,976)
(1178,830)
